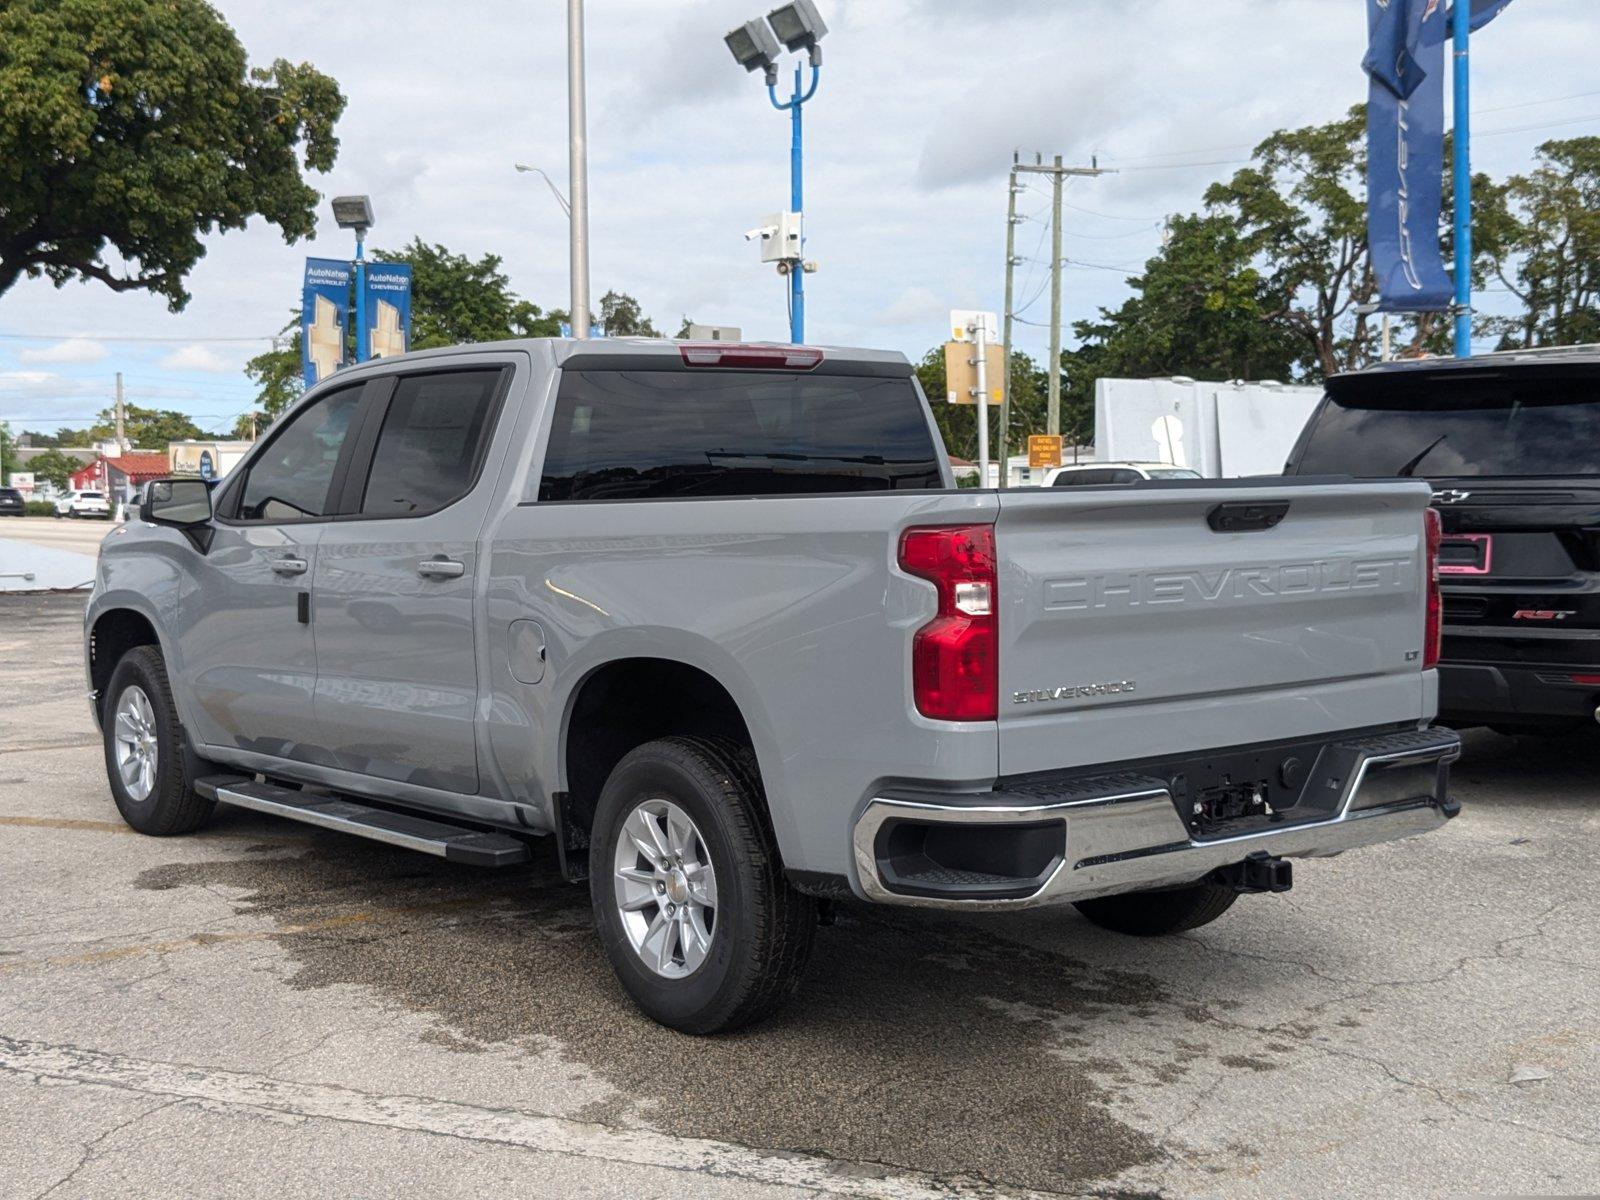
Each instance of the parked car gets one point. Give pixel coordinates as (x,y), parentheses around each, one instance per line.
(715,620)
(1511,446)
(1096,474)
(12,503)
(83,504)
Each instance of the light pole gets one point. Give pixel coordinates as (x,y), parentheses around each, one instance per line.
(754,45)
(355,212)
(566,208)
(578,169)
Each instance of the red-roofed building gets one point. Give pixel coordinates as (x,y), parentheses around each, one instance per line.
(120,478)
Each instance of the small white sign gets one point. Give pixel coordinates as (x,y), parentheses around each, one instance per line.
(974,325)
(22,481)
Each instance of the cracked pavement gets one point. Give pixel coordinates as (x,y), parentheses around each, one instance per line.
(266,1009)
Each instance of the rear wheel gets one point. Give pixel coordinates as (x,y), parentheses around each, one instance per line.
(1150,914)
(144,749)
(690,900)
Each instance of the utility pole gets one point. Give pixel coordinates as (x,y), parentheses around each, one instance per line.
(1011,277)
(1058,174)
(578,169)
(122,440)
(1461,26)
(981,333)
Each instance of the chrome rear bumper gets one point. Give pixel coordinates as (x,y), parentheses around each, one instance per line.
(1123,833)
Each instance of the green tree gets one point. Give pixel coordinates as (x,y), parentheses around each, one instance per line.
(622,316)
(54,466)
(456,300)
(138,126)
(1549,251)
(145,428)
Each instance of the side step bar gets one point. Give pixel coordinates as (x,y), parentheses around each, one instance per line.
(454,843)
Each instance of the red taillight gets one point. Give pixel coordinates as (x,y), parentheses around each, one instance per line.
(1433,629)
(740,357)
(955,669)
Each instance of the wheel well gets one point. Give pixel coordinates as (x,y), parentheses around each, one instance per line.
(633,701)
(114,634)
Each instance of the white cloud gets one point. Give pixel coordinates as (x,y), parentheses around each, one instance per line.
(907,144)
(195,357)
(72,350)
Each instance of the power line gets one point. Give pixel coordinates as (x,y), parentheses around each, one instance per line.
(126,337)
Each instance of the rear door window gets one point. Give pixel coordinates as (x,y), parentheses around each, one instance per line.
(643,435)
(432,441)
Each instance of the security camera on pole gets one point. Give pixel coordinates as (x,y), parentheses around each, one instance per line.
(754,45)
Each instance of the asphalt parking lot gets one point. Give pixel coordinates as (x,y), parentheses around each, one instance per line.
(264,1008)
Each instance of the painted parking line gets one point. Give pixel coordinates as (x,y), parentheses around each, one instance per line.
(247,1091)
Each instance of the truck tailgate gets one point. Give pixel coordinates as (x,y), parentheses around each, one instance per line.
(1134,622)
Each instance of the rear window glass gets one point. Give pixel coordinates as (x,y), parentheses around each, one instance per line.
(1440,428)
(640,435)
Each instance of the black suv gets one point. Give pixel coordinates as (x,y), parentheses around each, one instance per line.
(1511,444)
(11,503)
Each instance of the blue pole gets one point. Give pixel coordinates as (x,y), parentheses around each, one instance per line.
(797,271)
(361,297)
(797,276)
(1463,180)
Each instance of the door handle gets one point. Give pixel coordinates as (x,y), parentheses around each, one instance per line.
(441,568)
(289,566)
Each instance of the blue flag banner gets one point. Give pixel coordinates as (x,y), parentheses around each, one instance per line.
(1405,153)
(388,309)
(1483,11)
(324,308)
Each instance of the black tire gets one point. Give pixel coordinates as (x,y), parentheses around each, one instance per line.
(763,928)
(173,806)
(1151,914)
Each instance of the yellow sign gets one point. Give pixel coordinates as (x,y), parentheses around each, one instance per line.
(1044,450)
(961,373)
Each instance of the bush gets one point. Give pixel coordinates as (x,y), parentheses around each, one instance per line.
(39,508)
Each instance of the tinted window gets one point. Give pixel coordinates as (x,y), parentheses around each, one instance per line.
(290,479)
(1172,473)
(432,439)
(1081,478)
(1439,427)
(631,435)
(10,493)
(1124,476)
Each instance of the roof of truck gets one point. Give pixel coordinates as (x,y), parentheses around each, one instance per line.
(1498,359)
(559,350)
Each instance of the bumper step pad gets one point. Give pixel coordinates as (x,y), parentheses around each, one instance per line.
(454,843)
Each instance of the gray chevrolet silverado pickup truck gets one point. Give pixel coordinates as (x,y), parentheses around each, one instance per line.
(715,621)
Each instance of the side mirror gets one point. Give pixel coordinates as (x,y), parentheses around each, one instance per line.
(180,503)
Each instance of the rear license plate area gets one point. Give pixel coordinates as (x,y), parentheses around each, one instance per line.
(1465,554)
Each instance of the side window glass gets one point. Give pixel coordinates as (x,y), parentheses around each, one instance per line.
(1070,478)
(432,439)
(290,479)
(1125,477)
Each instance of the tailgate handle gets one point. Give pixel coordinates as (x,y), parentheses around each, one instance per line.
(1246,517)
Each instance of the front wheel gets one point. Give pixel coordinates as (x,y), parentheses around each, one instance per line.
(144,749)
(1151,914)
(689,895)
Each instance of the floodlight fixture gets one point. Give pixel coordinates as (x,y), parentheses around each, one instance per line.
(799,26)
(353,212)
(754,48)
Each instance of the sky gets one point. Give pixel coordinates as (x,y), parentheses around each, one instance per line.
(921,105)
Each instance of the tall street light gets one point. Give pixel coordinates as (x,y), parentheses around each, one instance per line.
(578,169)
(754,45)
(355,212)
(525,169)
